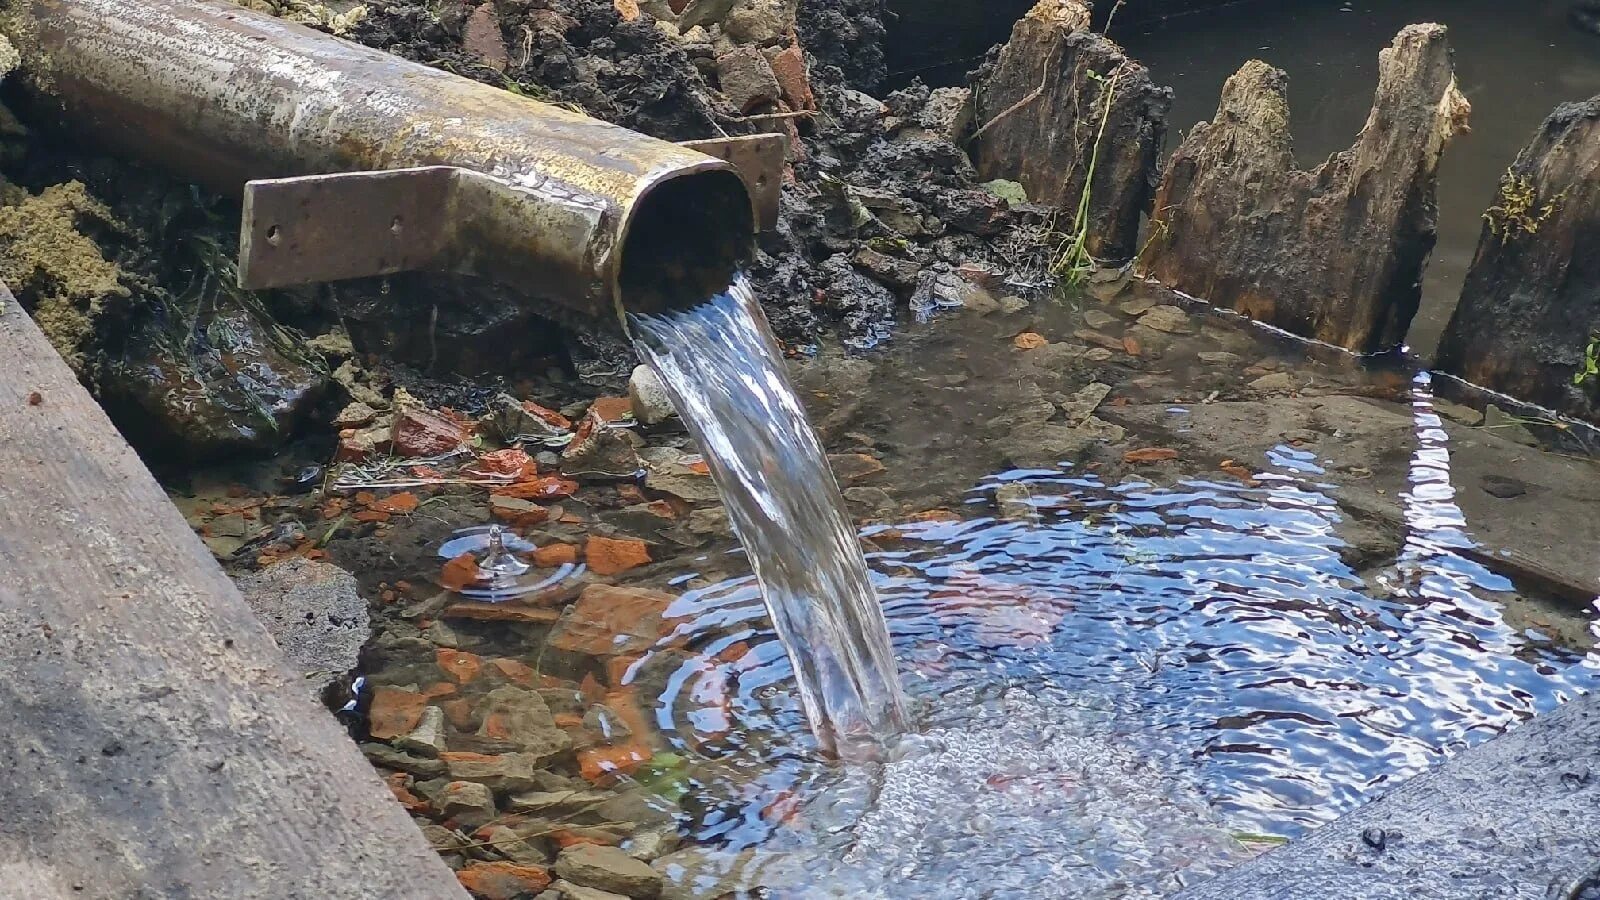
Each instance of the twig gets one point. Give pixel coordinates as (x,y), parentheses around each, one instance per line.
(1031,96)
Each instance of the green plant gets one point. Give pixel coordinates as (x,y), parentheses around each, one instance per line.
(1073,262)
(1591,362)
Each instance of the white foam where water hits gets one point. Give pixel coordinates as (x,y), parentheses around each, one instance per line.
(722,367)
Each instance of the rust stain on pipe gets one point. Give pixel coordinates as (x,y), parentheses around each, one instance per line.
(581,212)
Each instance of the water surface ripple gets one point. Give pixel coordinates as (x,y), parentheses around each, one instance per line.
(1114,684)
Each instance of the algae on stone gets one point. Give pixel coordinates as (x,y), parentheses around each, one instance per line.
(57,271)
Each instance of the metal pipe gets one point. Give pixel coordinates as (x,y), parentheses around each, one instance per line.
(578,211)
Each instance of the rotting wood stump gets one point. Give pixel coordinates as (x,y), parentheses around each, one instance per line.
(1530,308)
(1040,105)
(1336,253)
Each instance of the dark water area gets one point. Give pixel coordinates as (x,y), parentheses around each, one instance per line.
(1515,62)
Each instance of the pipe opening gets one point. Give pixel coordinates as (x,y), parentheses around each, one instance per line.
(686,239)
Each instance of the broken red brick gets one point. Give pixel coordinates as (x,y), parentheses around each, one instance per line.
(613,556)
(503,880)
(458,664)
(394,711)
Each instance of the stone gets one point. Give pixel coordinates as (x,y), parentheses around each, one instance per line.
(469,803)
(1138,306)
(1340,256)
(1276,382)
(513,847)
(1456,412)
(316,615)
(361,444)
(503,880)
(794,78)
(428,738)
(1043,445)
(555,804)
(892,271)
(609,620)
(1526,323)
(1080,406)
(355,415)
(613,556)
(606,725)
(763,23)
(747,80)
(1100,430)
(608,869)
(1015,502)
(501,774)
(421,432)
(648,397)
(710,522)
(387,757)
(230,384)
(517,719)
(1046,139)
(511,420)
(600,450)
(1098,319)
(1169,319)
(948,115)
(569,891)
(850,468)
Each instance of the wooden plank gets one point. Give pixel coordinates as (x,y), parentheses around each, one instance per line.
(154,743)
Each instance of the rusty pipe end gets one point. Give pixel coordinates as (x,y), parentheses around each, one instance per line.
(683,241)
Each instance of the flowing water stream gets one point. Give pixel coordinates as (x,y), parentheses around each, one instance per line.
(726,377)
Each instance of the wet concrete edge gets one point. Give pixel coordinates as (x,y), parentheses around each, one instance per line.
(1513,817)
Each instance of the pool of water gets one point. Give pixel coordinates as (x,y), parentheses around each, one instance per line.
(1121,685)
(1515,62)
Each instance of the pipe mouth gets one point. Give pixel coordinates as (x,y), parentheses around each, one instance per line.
(685,240)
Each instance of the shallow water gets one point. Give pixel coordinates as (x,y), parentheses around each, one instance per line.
(1515,62)
(723,370)
(1120,687)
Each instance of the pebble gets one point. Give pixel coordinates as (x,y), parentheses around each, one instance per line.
(1138,306)
(1098,319)
(1169,319)
(608,869)
(1277,381)
(648,397)
(428,738)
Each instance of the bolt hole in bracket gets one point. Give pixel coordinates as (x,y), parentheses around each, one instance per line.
(317,228)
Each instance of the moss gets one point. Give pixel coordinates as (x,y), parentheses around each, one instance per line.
(316,15)
(53,266)
(1518,211)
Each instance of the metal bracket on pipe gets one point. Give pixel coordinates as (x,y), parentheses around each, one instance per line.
(362,224)
(345,225)
(759,159)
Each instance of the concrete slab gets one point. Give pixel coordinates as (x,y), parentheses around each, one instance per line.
(1513,818)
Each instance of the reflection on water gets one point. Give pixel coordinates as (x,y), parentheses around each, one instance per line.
(1114,682)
